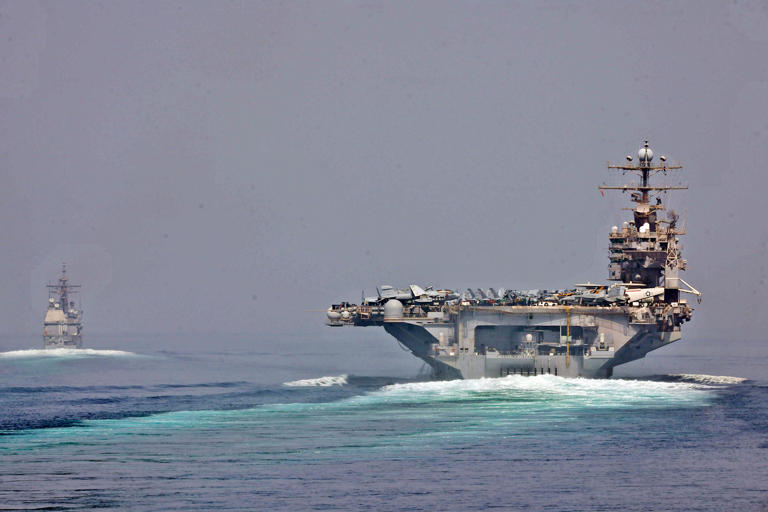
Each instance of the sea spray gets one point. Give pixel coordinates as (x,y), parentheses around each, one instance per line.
(708,379)
(327,381)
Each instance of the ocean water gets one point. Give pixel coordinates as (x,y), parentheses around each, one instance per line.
(347,421)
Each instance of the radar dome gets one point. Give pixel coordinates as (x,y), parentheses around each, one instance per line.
(393,309)
(645,154)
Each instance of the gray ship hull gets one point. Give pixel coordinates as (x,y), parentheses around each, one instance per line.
(50,342)
(479,342)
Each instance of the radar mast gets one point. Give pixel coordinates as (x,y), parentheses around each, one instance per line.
(645,250)
(63,289)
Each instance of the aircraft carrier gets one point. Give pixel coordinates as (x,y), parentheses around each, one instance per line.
(63,323)
(583,331)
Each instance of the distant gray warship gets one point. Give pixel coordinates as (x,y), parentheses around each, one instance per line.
(584,331)
(63,324)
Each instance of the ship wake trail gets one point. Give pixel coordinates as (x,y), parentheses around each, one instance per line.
(65,353)
(412,415)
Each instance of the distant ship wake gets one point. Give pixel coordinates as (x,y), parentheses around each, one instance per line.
(64,353)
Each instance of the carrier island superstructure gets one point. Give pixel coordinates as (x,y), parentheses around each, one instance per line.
(63,324)
(583,331)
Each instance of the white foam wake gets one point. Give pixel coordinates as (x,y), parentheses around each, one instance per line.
(709,379)
(541,383)
(63,352)
(327,381)
(550,389)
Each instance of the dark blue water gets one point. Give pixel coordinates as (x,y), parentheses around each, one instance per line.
(343,421)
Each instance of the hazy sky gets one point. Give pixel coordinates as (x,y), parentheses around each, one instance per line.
(212,166)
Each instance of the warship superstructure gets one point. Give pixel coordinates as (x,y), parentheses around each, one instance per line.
(583,331)
(63,324)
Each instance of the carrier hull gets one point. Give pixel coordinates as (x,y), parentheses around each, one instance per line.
(482,342)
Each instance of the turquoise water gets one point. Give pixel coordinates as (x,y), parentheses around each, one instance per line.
(247,430)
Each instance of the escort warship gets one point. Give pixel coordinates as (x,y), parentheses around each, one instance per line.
(63,324)
(584,331)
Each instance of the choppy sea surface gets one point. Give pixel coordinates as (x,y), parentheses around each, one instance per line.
(345,421)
